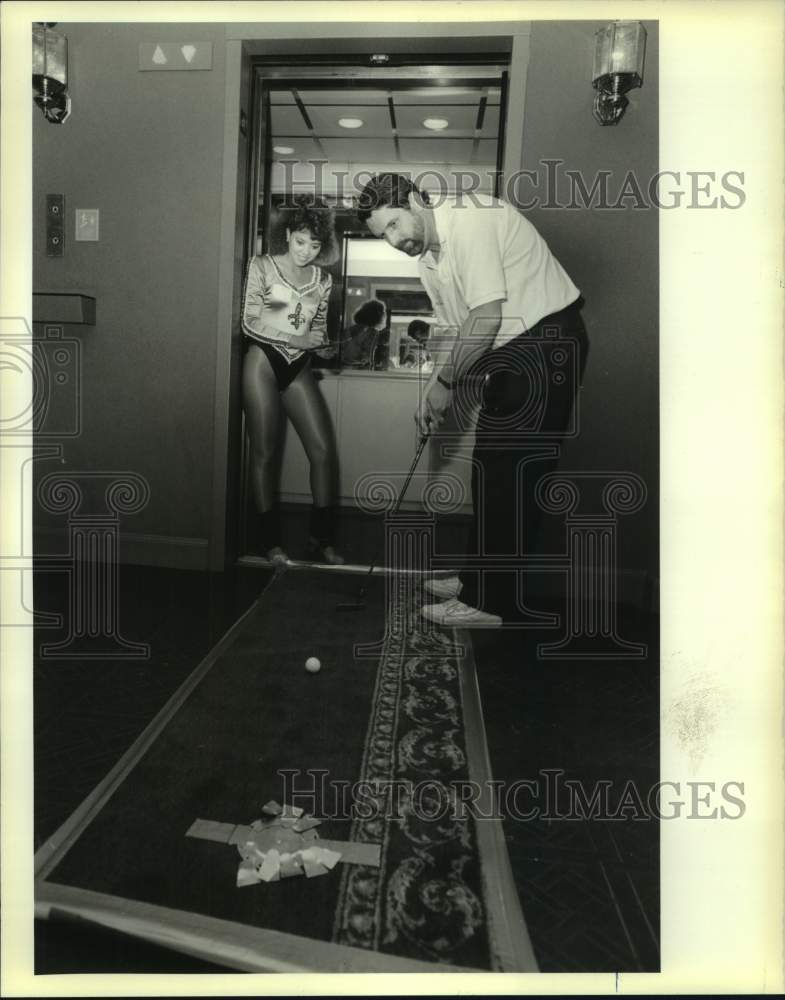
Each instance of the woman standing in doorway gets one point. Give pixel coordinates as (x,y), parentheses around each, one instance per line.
(284,321)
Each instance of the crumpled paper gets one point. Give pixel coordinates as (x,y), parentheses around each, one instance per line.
(282,845)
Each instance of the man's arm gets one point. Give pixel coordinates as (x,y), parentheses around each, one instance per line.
(475,338)
(452,359)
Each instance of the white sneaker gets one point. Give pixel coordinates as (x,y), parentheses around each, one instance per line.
(444,587)
(456,614)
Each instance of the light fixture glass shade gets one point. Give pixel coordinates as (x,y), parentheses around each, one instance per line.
(620,49)
(602,51)
(50,58)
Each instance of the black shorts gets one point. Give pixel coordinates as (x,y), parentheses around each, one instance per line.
(285,371)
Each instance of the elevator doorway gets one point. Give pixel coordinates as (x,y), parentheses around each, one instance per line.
(324,130)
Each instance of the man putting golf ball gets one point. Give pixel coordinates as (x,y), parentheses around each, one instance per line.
(500,293)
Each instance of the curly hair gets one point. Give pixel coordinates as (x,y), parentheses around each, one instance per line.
(305,213)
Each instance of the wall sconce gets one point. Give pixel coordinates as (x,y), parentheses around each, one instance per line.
(50,73)
(618,67)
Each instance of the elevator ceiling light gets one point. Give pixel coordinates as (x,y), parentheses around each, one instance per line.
(351,122)
(436,124)
(283,150)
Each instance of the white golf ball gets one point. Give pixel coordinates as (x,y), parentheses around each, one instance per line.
(313,665)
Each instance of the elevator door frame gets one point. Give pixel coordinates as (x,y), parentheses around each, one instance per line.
(272,75)
(286,45)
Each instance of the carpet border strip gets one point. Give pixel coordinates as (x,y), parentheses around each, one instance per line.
(509,936)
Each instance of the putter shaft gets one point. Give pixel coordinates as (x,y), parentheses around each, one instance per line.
(358,605)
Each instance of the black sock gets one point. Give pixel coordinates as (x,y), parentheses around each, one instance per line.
(323,525)
(270,528)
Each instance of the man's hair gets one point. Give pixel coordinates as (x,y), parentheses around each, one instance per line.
(370,313)
(386,190)
(418,329)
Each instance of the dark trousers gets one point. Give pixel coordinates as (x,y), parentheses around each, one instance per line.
(529,390)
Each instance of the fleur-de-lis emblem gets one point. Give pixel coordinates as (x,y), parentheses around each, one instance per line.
(296,317)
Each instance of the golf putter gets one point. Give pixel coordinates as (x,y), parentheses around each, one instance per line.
(359,604)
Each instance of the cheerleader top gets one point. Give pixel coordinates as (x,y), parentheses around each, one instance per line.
(274,310)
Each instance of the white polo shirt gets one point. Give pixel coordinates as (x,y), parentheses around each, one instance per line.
(489,251)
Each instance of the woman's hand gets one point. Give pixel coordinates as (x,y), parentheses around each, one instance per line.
(307,341)
(327,352)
